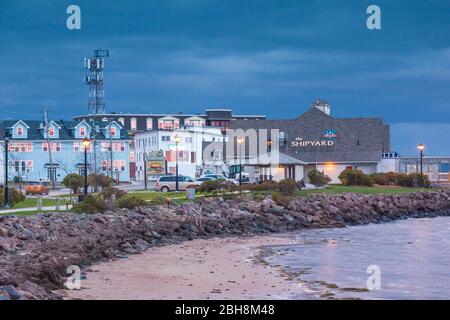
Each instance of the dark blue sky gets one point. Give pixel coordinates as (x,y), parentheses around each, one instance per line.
(271,57)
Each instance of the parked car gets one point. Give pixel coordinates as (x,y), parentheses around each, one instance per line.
(168,183)
(220,177)
(40,188)
(200,180)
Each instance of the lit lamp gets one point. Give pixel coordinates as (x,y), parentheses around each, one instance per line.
(421,146)
(240,141)
(86,142)
(177,141)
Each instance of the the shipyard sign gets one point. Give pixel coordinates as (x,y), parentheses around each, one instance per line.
(329,136)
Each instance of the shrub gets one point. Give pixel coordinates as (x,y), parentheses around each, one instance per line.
(415,177)
(99,180)
(380,178)
(73,181)
(280,198)
(265,186)
(91,204)
(14,197)
(318,178)
(355,177)
(159,199)
(404,180)
(287,186)
(216,186)
(131,202)
(107,192)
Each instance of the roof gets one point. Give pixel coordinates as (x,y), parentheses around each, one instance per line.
(35,130)
(358,139)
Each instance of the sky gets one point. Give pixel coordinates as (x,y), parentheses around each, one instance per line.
(270,57)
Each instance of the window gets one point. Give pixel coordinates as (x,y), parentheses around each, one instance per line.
(122,121)
(23,147)
(30,147)
(149,124)
(193,157)
(44,146)
(16,147)
(122,146)
(82,131)
(19,131)
(76,146)
(112,131)
(51,132)
(30,165)
(122,165)
(133,123)
(104,165)
(132,158)
(116,164)
(105,146)
(444,167)
(116,147)
(165,138)
(188,139)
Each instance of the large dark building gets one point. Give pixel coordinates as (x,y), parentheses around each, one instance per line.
(327,143)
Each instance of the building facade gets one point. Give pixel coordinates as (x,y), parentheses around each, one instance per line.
(151,122)
(191,141)
(326,143)
(31,143)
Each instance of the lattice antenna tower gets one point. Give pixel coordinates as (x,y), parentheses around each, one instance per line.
(94,80)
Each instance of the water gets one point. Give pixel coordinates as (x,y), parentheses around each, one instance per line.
(413,257)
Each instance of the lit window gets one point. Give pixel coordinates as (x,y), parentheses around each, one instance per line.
(116,164)
(122,165)
(23,147)
(149,124)
(104,165)
(133,123)
(76,146)
(82,131)
(122,146)
(112,130)
(132,158)
(30,147)
(51,132)
(44,146)
(19,131)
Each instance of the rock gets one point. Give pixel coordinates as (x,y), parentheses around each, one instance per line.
(99,219)
(3,232)
(156,235)
(11,291)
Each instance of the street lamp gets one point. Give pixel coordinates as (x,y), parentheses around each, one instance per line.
(240,141)
(6,203)
(177,141)
(421,146)
(86,142)
(269,148)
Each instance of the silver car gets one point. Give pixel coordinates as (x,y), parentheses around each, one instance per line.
(168,183)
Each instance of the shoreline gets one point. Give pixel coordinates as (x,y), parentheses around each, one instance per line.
(189,271)
(37,250)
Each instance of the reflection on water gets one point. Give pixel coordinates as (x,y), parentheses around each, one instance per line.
(413,256)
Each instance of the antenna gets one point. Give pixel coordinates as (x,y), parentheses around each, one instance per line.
(94,80)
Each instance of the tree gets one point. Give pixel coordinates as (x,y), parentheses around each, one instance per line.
(73,181)
(318,178)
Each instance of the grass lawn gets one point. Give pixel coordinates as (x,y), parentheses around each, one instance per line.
(27,213)
(336,189)
(32,203)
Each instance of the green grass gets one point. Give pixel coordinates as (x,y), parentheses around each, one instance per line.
(27,213)
(336,189)
(32,203)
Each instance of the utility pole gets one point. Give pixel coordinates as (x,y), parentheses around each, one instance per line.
(145,166)
(47,126)
(6,204)
(110,149)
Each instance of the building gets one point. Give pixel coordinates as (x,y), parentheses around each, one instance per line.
(157,150)
(436,168)
(29,150)
(149,122)
(326,143)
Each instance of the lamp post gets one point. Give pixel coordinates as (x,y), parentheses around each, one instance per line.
(240,141)
(86,142)
(6,203)
(421,147)
(177,141)
(269,149)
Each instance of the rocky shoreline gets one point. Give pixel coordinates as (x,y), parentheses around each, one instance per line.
(35,251)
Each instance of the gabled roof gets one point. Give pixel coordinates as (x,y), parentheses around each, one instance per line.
(17,122)
(66,130)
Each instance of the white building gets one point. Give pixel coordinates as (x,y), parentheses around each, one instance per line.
(192,140)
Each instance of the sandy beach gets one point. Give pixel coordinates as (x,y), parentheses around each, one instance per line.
(200,269)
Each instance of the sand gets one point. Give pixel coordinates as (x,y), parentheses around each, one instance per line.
(218,268)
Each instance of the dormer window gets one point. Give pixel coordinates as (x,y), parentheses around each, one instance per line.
(149,124)
(112,131)
(19,131)
(133,123)
(82,131)
(122,121)
(51,132)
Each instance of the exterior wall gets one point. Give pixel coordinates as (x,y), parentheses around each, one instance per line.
(65,160)
(190,148)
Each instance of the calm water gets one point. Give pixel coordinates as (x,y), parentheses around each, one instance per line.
(413,257)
